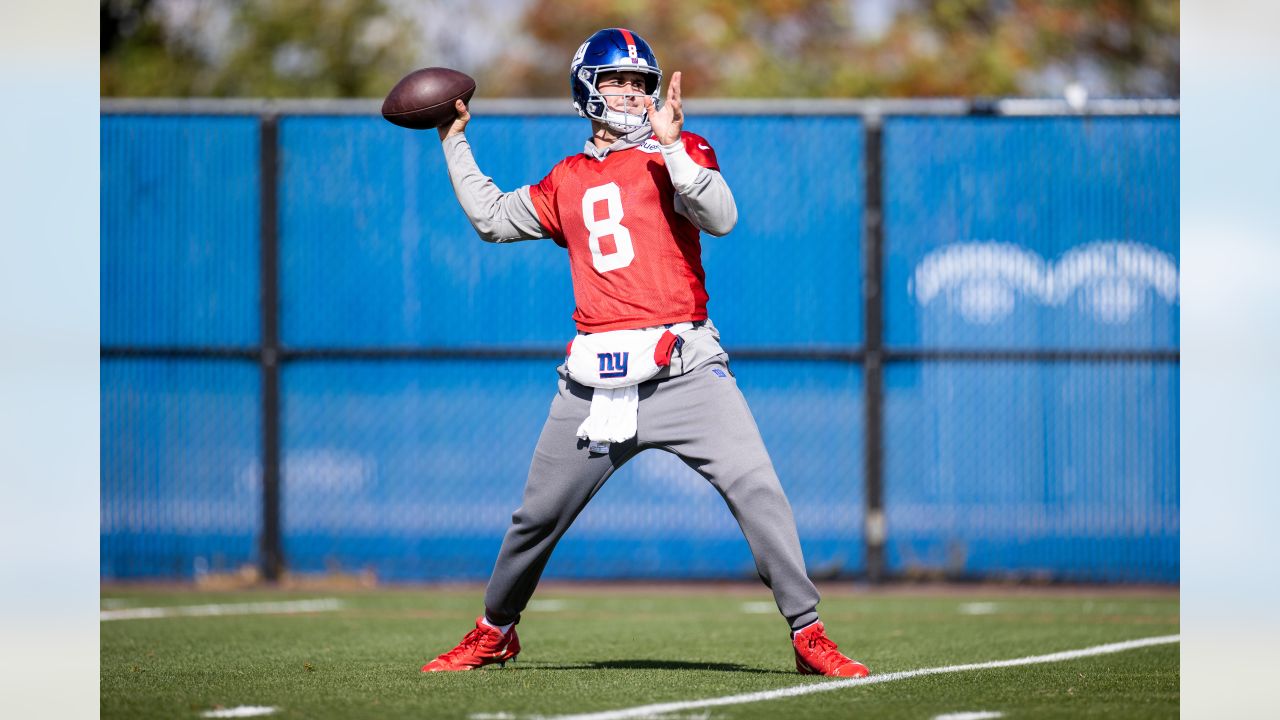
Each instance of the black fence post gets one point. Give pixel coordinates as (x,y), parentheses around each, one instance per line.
(873,530)
(272,557)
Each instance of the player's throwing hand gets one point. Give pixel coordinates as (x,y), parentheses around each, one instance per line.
(459,123)
(667,122)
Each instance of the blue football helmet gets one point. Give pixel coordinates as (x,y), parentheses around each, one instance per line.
(612,50)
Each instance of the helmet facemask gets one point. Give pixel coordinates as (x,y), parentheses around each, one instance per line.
(597,105)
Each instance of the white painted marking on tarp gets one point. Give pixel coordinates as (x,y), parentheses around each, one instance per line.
(759,608)
(259,608)
(978,608)
(979,715)
(798,690)
(984,280)
(239,712)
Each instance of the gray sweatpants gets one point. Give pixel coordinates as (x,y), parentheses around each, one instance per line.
(700,416)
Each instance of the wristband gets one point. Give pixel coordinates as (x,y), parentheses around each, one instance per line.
(681,167)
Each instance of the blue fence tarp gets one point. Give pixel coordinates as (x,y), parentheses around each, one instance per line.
(999,234)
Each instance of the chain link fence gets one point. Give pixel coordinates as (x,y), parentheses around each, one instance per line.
(417,363)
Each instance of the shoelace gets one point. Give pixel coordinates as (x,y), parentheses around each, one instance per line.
(822,641)
(825,648)
(471,640)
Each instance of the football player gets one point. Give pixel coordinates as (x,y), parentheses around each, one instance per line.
(646,369)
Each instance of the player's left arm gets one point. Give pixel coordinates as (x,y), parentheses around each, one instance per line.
(702,195)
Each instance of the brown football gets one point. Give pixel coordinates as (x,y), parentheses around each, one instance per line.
(424,98)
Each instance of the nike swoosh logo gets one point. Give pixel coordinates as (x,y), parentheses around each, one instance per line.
(704,147)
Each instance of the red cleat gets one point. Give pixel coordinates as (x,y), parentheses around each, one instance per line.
(483,646)
(817,655)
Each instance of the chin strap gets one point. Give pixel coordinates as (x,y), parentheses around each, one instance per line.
(616,121)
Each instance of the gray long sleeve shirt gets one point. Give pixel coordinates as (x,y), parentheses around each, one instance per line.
(702,195)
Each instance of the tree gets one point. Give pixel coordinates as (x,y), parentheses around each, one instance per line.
(141,56)
(767,48)
(812,49)
(996,47)
(271,48)
(316,48)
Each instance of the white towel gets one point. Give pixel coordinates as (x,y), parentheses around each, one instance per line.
(613,364)
(613,415)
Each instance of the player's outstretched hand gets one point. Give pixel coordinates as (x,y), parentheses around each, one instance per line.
(668,121)
(459,123)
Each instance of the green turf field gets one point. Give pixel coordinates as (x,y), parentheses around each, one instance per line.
(599,649)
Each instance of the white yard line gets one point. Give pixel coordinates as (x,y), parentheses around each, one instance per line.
(551,605)
(759,608)
(257,608)
(661,708)
(978,608)
(239,712)
(979,715)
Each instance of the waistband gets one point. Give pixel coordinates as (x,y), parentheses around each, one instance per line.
(694,323)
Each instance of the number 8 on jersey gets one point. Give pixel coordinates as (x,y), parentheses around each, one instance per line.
(609,225)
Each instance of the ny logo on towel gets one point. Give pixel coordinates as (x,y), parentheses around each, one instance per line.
(613,365)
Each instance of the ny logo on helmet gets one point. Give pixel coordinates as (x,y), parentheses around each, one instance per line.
(613,365)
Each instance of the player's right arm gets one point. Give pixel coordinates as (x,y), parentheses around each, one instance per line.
(497,216)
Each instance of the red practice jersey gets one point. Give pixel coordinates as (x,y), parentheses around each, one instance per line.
(635,261)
